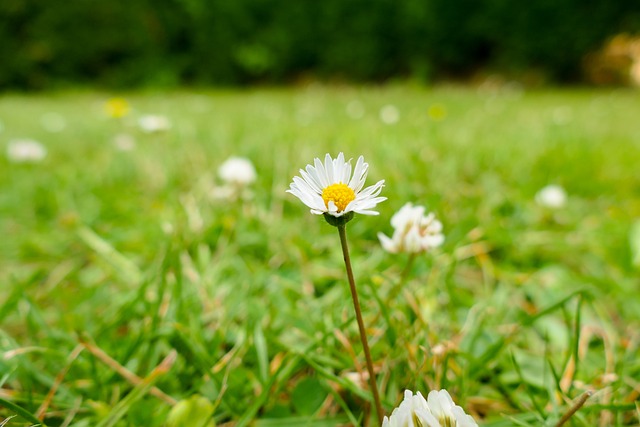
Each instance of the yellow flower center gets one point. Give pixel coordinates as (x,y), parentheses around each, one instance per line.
(341,195)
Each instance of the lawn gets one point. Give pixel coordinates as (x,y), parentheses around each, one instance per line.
(127,286)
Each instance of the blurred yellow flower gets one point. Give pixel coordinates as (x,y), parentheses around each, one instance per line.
(116,107)
(437,112)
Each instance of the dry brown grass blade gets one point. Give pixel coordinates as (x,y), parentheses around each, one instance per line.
(581,401)
(58,380)
(128,375)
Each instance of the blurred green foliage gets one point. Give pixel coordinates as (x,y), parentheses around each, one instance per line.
(124,43)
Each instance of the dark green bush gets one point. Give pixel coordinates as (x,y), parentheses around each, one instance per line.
(168,42)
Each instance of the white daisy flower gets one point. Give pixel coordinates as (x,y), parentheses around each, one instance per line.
(237,171)
(412,412)
(446,412)
(552,196)
(413,231)
(330,188)
(25,151)
(153,123)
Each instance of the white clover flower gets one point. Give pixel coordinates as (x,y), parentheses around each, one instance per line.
(153,123)
(237,171)
(446,412)
(552,196)
(330,188)
(413,231)
(25,150)
(438,410)
(412,412)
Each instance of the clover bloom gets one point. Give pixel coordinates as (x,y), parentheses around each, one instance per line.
(237,171)
(330,188)
(412,412)
(25,151)
(438,410)
(552,196)
(446,412)
(413,231)
(154,124)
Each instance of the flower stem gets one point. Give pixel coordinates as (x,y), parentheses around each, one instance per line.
(342,230)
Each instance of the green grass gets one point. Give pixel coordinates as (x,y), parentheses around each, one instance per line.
(525,307)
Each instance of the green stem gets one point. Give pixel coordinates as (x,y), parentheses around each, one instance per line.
(342,230)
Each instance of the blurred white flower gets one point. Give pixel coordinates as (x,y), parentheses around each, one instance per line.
(237,171)
(25,150)
(446,412)
(329,188)
(552,196)
(124,142)
(389,114)
(355,109)
(412,412)
(438,410)
(413,231)
(154,123)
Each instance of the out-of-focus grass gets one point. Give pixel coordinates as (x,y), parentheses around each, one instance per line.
(521,310)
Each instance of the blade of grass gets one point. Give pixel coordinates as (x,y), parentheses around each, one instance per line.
(527,388)
(579,403)
(123,267)
(144,386)
(125,373)
(260,345)
(58,380)
(20,411)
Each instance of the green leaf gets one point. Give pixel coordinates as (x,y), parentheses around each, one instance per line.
(634,241)
(19,410)
(260,344)
(124,267)
(307,396)
(195,411)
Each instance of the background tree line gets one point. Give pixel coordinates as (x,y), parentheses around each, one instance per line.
(124,43)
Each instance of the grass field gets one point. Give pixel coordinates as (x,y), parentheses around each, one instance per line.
(111,258)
